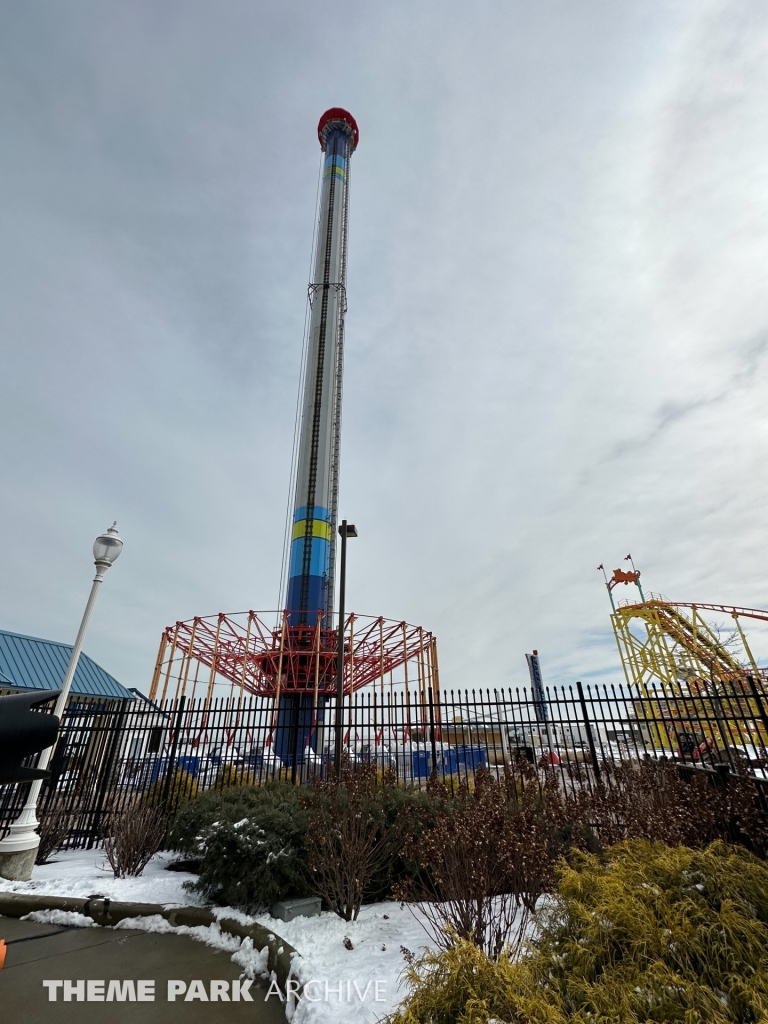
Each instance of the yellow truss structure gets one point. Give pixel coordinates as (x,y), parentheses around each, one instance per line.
(684,670)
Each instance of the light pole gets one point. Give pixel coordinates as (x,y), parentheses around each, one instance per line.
(345,530)
(19,848)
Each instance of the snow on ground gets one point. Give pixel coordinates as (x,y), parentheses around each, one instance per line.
(87,873)
(344,989)
(351,974)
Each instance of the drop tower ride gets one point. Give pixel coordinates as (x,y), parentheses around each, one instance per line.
(309,593)
(293,665)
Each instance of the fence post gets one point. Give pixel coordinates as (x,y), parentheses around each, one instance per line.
(432,731)
(94,836)
(590,737)
(760,707)
(296,725)
(174,747)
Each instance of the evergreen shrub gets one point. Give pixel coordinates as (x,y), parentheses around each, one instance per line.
(645,933)
(250,841)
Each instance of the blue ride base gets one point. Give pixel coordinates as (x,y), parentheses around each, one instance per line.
(294,725)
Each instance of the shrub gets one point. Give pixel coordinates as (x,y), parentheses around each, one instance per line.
(350,839)
(184,786)
(229,804)
(56,821)
(234,775)
(461,985)
(659,934)
(405,812)
(282,811)
(136,834)
(251,844)
(646,933)
(666,802)
(485,861)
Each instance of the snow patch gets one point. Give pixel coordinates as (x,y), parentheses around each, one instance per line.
(65,917)
(376,936)
(84,873)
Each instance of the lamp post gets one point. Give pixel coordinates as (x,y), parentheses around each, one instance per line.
(19,848)
(345,530)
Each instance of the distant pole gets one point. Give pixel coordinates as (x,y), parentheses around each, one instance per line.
(344,531)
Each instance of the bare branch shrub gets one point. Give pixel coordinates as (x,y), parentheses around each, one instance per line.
(136,834)
(348,840)
(485,862)
(662,801)
(56,821)
(745,808)
(649,800)
(490,853)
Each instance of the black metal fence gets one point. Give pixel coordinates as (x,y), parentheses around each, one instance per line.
(113,753)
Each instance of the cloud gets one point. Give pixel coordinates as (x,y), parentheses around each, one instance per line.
(558,313)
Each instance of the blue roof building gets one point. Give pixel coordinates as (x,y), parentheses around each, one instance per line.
(29,663)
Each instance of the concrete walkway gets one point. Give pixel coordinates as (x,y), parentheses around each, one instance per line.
(55,952)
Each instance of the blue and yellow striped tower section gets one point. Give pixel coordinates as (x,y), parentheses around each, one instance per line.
(309,591)
(320,530)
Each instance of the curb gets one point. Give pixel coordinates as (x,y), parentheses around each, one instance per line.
(106,912)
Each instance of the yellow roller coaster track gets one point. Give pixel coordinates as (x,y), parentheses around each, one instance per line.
(682,650)
(685,669)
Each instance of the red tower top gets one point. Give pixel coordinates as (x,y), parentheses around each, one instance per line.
(338,114)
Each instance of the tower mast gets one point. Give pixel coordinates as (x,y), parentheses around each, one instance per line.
(313,538)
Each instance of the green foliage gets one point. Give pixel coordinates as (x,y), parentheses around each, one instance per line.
(264,860)
(234,775)
(647,933)
(184,787)
(250,841)
(461,985)
(659,934)
(229,804)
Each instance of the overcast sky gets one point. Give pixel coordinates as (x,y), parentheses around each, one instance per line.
(557,340)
